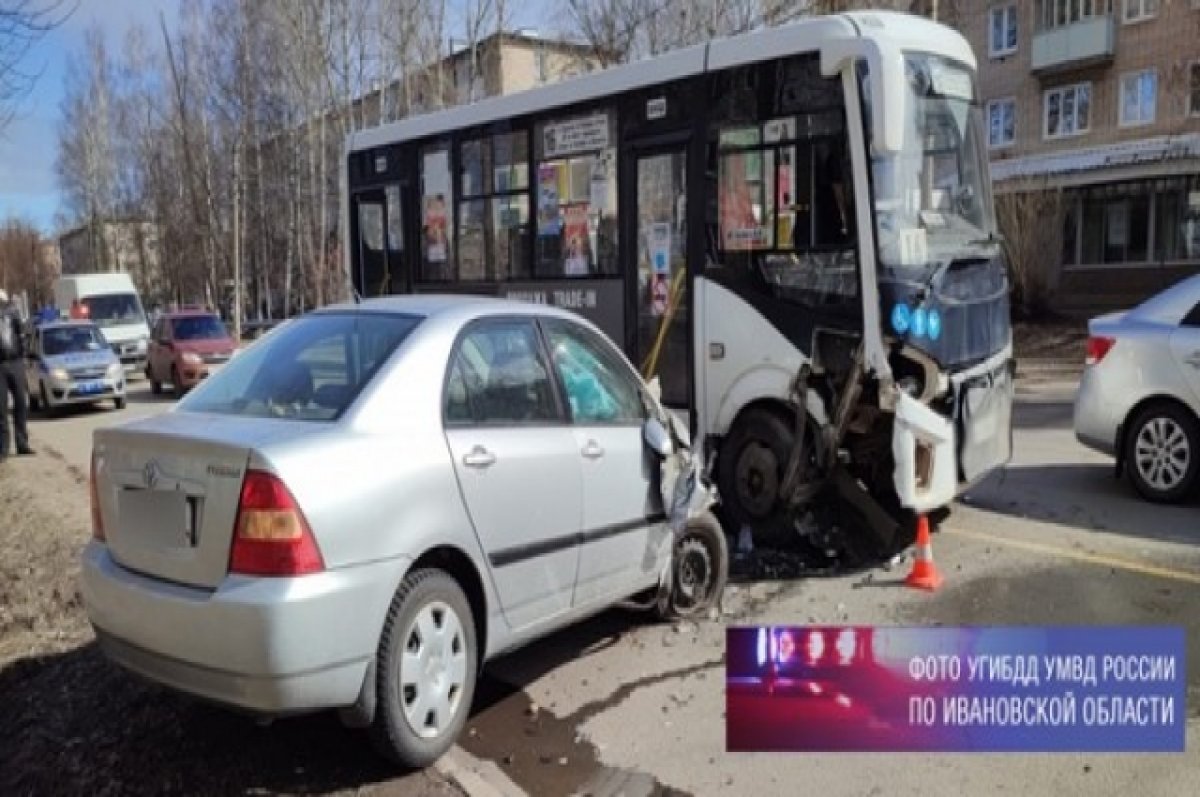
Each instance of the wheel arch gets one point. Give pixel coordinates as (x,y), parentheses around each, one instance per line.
(458,565)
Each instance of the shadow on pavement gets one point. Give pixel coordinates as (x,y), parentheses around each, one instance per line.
(1087,497)
(76,724)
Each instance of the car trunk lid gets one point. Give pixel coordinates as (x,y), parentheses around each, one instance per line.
(169,489)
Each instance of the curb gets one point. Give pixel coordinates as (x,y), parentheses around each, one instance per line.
(476,777)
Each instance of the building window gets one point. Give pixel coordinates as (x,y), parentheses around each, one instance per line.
(1003,26)
(1177,220)
(1067,110)
(1138,10)
(1138,94)
(1002,123)
(1194,89)
(1060,13)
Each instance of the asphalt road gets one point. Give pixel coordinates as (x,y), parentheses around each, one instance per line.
(619,705)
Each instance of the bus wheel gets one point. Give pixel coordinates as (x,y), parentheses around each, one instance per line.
(750,473)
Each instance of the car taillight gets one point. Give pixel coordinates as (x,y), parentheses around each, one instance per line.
(94,499)
(1097,348)
(271,536)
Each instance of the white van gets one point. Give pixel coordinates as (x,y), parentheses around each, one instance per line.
(113,304)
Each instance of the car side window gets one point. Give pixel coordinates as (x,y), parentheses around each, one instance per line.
(599,386)
(498,376)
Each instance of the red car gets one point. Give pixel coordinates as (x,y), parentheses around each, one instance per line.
(185,347)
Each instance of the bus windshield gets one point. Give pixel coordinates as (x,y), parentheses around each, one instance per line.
(932,199)
(114,309)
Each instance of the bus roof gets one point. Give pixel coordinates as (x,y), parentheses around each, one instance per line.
(906,31)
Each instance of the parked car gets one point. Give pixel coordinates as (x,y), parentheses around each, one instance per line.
(374,499)
(1140,395)
(187,347)
(70,362)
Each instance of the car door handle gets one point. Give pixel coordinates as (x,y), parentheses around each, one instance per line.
(479,457)
(592,450)
(1193,359)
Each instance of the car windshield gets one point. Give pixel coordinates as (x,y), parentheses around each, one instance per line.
(311,368)
(199,327)
(932,201)
(114,309)
(71,340)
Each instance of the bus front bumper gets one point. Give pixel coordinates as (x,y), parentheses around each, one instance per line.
(937,457)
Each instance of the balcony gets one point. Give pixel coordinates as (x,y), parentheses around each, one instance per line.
(1083,43)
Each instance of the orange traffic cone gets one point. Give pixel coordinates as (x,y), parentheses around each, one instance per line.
(924,574)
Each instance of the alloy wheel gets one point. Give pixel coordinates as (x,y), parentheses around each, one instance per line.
(1162,453)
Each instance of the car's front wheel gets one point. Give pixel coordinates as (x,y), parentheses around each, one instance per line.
(1163,452)
(425,669)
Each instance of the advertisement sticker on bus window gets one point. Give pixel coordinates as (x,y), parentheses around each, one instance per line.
(576,264)
(548,219)
(659,240)
(583,134)
(660,290)
(777,130)
(435,229)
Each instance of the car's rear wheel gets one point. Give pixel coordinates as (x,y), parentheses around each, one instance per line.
(1163,452)
(426,668)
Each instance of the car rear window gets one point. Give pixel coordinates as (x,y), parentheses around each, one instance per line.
(199,327)
(309,369)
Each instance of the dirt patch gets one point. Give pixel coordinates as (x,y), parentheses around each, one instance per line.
(72,723)
(1060,341)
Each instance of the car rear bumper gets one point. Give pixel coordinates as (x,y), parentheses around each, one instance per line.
(265,645)
(1096,413)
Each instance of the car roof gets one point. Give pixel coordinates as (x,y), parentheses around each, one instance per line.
(451,307)
(67,324)
(192,313)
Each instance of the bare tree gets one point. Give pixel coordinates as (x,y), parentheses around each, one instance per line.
(1031,223)
(22,24)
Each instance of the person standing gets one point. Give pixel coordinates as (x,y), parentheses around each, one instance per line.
(12,378)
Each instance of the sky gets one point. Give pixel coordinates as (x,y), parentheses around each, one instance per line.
(29,145)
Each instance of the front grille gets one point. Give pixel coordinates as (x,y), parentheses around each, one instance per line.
(216,359)
(88,373)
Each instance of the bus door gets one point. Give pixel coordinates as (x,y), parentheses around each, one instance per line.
(656,266)
(381,265)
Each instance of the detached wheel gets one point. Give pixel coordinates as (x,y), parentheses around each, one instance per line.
(699,569)
(425,669)
(1163,453)
(753,459)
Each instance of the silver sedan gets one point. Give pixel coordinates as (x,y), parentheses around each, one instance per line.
(1140,395)
(373,500)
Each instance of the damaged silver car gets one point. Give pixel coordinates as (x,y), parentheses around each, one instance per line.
(374,500)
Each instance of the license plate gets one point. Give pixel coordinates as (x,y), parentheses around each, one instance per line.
(88,388)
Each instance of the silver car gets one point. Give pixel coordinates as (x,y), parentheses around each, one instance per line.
(373,500)
(69,362)
(1140,395)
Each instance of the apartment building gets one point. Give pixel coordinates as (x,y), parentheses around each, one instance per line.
(1097,101)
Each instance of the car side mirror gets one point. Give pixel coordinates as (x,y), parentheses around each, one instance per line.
(658,438)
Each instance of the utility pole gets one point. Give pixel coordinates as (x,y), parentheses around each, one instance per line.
(237,248)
